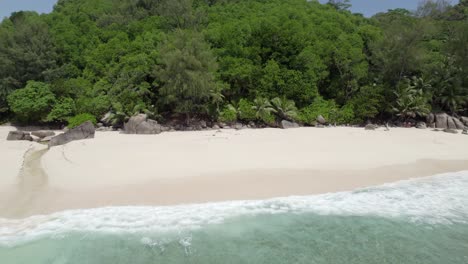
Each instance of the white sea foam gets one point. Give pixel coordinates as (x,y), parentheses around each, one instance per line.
(441,199)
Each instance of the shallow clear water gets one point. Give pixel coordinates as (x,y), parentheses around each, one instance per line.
(417,221)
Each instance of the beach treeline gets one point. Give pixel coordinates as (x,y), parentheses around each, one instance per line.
(258,61)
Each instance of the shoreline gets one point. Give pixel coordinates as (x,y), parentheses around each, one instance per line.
(209,166)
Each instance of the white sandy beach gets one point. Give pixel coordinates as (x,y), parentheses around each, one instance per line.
(193,167)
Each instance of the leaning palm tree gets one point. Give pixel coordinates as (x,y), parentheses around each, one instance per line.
(410,102)
(284,109)
(262,107)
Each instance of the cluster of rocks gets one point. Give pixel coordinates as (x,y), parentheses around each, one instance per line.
(83,131)
(444,121)
(448,124)
(142,125)
(36,136)
(440,122)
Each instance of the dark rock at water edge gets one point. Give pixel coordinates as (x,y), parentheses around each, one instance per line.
(285,124)
(465,131)
(19,135)
(43,134)
(83,131)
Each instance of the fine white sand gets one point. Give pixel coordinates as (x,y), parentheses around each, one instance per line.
(192,167)
(11,156)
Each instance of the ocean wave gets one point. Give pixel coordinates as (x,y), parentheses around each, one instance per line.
(441,199)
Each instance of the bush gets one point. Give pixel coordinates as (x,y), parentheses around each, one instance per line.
(62,111)
(345,115)
(366,103)
(246,111)
(328,109)
(284,108)
(80,119)
(268,119)
(32,103)
(228,115)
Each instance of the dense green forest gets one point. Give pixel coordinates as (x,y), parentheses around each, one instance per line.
(233,60)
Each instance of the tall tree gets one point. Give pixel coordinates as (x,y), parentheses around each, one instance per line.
(186,73)
(27,52)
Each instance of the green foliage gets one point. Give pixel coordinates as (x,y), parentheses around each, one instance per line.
(284,109)
(228,115)
(410,101)
(246,111)
(62,110)
(366,103)
(27,52)
(326,108)
(263,110)
(187,72)
(32,103)
(346,115)
(268,119)
(80,119)
(190,57)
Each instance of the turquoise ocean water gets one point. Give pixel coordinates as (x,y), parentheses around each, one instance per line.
(415,221)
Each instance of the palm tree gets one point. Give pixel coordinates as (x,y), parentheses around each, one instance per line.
(262,107)
(217,98)
(411,102)
(234,107)
(284,109)
(453,98)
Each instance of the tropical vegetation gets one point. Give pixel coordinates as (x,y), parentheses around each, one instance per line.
(233,61)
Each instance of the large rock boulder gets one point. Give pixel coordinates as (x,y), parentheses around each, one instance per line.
(43,134)
(140,124)
(458,123)
(285,124)
(321,120)
(451,131)
(370,127)
(19,135)
(238,126)
(83,131)
(421,125)
(430,118)
(451,123)
(464,119)
(441,120)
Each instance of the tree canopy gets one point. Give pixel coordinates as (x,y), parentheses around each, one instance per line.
(233,60)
